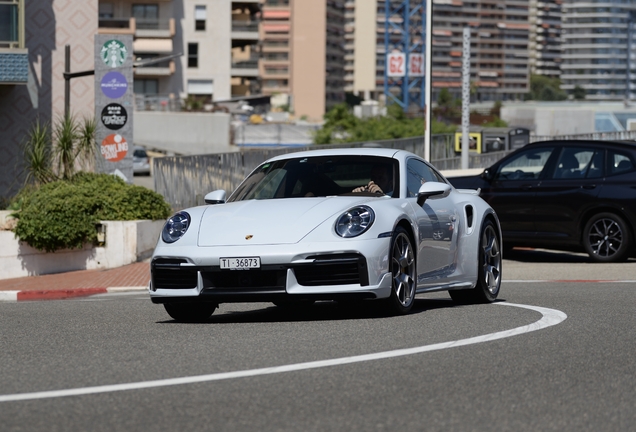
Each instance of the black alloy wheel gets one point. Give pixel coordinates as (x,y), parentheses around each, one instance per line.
(607,238)
(403,269)
(489,271)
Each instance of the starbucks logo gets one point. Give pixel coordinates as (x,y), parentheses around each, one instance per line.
(114,53)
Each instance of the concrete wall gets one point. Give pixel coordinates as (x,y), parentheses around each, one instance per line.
(364,47)
(309,58)
(215,45)
(183,133)
(126,242)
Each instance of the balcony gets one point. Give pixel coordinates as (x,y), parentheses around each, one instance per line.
(161,69)
(245,30)
(245,68)
(123,26)
(139,27)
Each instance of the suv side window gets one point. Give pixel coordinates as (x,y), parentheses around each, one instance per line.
(526,165)
(575,163)
(418,173)
(619,163)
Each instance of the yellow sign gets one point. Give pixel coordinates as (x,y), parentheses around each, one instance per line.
(474,142)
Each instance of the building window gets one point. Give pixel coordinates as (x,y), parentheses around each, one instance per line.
(146,16)
(200,91)
(9,23)
(193,55)
(106,11)
(146,86)
(200,16)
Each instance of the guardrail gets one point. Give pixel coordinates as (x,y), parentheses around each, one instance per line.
(185,180)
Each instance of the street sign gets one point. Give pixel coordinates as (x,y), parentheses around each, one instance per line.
(416,65)
(396,64)
(114,104)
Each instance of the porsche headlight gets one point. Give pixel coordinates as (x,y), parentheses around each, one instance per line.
(355,221)
(175,227)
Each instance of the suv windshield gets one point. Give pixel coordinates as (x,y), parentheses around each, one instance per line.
(320,176)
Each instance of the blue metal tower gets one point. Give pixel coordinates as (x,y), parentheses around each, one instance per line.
(404,32)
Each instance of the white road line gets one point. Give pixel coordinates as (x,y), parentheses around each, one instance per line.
(550,318)
(603,281)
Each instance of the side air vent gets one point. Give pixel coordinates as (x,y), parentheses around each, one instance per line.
(469,216)
(168,273)
(336,269)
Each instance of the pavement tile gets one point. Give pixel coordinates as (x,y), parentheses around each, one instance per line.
(132,275)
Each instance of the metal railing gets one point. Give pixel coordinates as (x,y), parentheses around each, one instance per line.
(245,26)
(157,103)
(185,180)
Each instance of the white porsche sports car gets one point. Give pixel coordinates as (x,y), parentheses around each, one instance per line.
(343,225)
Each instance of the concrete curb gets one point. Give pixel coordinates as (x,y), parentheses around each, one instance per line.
(8,296)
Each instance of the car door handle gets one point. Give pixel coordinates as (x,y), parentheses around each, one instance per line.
(590,186)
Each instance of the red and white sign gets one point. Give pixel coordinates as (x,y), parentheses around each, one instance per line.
(416,65)
(114,148)
(396,64)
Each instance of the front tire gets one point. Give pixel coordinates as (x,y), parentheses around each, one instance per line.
(403,271)
(607,238)
(489,271)
(190,312)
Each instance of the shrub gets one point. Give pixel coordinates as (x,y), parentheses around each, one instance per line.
(63,214)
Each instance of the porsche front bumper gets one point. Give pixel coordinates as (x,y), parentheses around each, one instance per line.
(347,269)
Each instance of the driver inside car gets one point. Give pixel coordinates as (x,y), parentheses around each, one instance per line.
(381,181)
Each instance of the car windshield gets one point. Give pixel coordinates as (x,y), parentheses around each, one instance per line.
(320,176)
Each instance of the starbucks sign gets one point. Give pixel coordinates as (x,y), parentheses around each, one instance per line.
(114,104)
(113,53)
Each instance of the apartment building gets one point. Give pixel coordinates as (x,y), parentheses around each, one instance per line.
(32,40)
(499,46)
(595,49)
(218,41)
(303,54)
(545,37)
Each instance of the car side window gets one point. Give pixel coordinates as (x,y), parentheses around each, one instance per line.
(525,165)
(619,163)
(417,173)
(574,163)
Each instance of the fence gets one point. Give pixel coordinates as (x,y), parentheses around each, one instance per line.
(185,180)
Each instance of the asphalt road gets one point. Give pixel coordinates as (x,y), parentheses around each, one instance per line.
(485,367)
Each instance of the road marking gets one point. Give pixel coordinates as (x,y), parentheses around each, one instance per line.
(550,317)
(602,281)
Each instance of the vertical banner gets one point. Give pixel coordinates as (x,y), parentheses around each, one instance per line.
(416,65)
(396,64)
(114,105)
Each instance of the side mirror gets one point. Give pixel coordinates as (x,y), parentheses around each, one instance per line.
(487,175)
(432,190)
(215,197)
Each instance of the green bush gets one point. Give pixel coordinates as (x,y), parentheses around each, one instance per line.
(63,214)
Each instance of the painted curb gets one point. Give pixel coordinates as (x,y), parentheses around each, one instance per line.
(63,293)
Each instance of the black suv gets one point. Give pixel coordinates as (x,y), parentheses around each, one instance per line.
(567,195)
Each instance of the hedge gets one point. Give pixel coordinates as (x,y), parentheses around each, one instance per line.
(64,214)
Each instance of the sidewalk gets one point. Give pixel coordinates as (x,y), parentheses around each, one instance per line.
(132,277)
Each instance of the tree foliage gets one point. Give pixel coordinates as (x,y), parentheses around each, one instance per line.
(341,126)
(64,213)
(543,88)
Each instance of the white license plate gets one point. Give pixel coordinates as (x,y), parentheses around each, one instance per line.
(241,263)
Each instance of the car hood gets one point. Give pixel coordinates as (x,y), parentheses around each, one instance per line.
(276,221)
